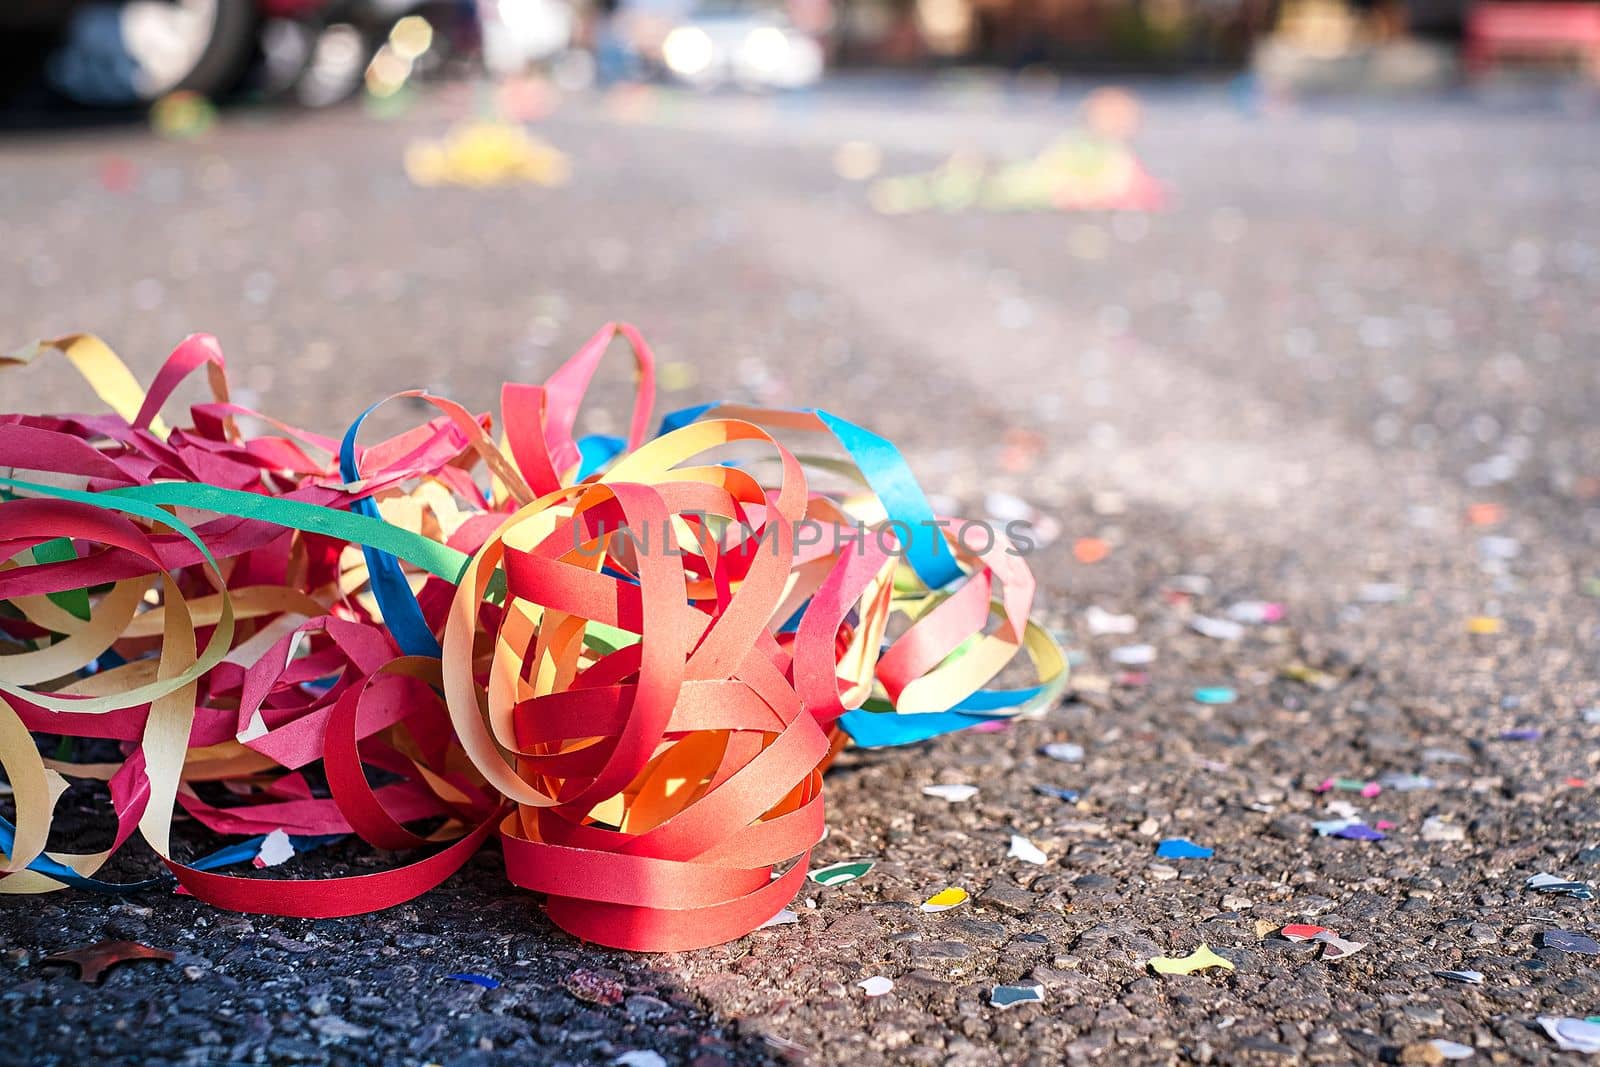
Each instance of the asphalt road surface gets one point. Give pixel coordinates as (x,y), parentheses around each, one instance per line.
(1353,327)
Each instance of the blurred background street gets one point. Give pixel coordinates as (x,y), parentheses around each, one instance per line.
(1335,354)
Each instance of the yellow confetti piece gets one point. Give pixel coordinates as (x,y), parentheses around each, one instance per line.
(1484,624)
(945,899)
(1200,959)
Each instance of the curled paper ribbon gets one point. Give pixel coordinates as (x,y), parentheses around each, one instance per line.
(632,658)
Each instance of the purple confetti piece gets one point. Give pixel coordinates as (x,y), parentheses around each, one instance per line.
(1359,832)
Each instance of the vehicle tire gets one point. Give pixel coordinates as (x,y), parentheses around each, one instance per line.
(132,53)
(334,69)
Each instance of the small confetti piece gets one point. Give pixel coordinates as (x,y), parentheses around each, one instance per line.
(876,986)
(783,918)
(1069,795)
(1572,1035)
(1255,612)
(1484,625)
(1090,549)
(955,793)
(1358,831)
(839,873)
(93,960)
(1452,1050)
(276,848)
(1009,996)
(1302,931)
(1466,977)
(1026,851)
(1064,751)
(1215,695)
(1181,848)
(945,899)
(1335,947)
(1485,514)
(1100,621)
(1561,887)
(1309,676)
(1567,941)
(1198,960)
(476,979)
(1406,783)
(1218,629)
(1133,655)
(640,1058)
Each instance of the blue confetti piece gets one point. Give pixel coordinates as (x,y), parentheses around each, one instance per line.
(1181,848)
(476,979)
(1069,795)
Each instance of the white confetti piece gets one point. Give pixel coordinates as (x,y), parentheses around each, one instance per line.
(1026,851)
(954,792)
(276,849)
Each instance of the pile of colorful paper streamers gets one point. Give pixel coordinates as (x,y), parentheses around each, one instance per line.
(630,658)
(1079,173)
(485,153)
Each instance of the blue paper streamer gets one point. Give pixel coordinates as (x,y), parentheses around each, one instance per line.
(401,612)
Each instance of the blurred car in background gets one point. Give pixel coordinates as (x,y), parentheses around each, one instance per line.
(518,34)
(129,53)
(318,53)
(725,42)
(118,54)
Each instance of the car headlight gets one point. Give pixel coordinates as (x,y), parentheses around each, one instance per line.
(765,49)
(687,51)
